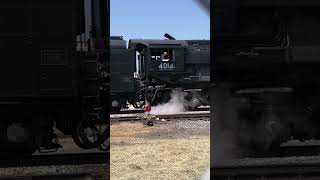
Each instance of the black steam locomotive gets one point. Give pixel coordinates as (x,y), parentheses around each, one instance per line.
(265,69)
(53,72)
(150,69)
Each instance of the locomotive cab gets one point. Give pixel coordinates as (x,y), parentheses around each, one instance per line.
(159,60)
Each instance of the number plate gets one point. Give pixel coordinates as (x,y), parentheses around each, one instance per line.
(166,67)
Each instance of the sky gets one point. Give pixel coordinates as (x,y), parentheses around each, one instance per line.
(151,19)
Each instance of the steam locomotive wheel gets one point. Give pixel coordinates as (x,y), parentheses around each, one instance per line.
(116,106)
(193,104)
(258,139)
(17,140)
(86,135)
(242,131)
(138,104)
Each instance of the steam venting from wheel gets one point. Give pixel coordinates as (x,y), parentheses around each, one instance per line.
(178,103)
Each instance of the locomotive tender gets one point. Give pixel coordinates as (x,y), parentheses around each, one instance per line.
(139,72)
(50,52)
(265,72)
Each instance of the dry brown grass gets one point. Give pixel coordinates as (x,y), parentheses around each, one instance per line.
(130,130)
(141,158)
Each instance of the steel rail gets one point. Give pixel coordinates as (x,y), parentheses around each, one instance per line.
(168,117)
(268,168)
(310,171)
(54,159)
(56,166)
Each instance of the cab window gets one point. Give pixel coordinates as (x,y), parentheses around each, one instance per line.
(162,55)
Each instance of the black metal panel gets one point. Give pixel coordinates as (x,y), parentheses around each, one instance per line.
(16,68)
(89,77)
(15,46)
(54,28)
(55,20)
(122,66)
(37,40)
(273,42)
(198,53)
(15,17)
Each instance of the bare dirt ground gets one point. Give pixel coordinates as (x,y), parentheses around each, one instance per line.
(171,150)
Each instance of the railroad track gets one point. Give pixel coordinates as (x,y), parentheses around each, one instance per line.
(55,159)
(135,111)
(272,168)
(292,161)
(200,115)
(56,166)
(65,172)
(297,150)
(55,177)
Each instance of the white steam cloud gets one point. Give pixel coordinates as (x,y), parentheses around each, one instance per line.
(177,104)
